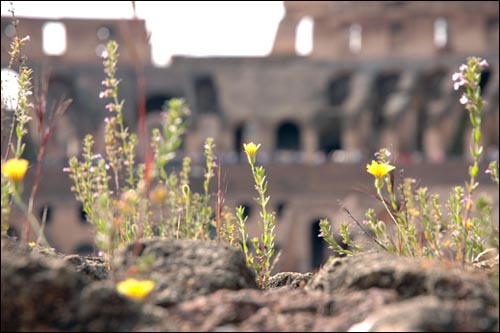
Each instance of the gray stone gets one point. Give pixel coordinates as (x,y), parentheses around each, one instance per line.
(185,269)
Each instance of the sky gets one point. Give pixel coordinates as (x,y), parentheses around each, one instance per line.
(192,28)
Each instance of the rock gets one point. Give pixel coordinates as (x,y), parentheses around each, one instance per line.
(487,259)
(408,276)
(433,295)
(204,286)
(184,269)
(93,267)
(38,292)
(103,309)
(429,314)
(292,279)
(283,309)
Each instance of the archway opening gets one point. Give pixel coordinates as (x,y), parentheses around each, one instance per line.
(288,136)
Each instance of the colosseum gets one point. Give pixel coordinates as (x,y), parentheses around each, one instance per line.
(378,75)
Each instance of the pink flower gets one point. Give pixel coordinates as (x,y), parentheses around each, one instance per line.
(483,63)
(105,54)
(463,99)
(106,93)
(459,80)
(463,67)
(109,107)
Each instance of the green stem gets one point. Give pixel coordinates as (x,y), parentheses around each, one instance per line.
(32,219)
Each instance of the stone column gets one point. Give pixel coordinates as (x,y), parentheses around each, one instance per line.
(434,149)
(309,142)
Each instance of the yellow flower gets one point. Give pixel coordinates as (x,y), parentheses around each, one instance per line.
(31,244)
(251,150)
(158,195)
(136,289)
(15,169)
(469,225)
(379,170)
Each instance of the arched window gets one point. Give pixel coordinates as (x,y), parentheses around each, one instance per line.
(338,89)
(288,136)
(238,138)
(304,36)
(206,94)
(317,245)
(440,33)
(329,130)
(355,38)
(157,102)
(54,38)
(384,85)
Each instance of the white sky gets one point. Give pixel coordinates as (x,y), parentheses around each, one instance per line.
(194,28)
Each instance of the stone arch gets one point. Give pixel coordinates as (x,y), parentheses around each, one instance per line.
(384,85)
(206,94)
(432,86)
(156,102)
(338,89)
(288,136)
(317,244)
(239,138)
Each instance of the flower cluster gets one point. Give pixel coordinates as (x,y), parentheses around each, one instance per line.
(467,76)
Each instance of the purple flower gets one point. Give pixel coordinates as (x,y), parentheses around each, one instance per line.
(321,234)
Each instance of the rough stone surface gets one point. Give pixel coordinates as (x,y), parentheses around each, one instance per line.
(292,279)
(429,314)
(408,276)
(282,309)
(93,267)
(38,292)
(186,269)
(369,292)
(105,310)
